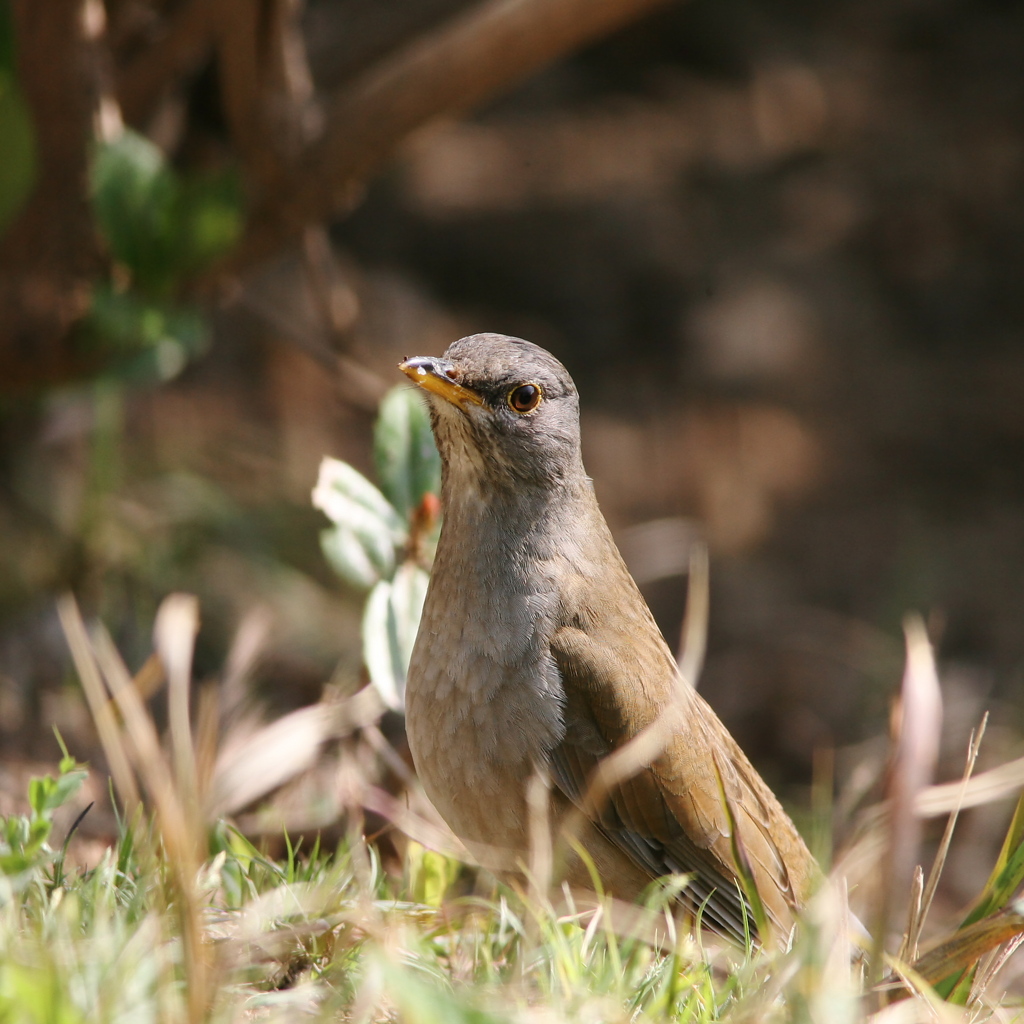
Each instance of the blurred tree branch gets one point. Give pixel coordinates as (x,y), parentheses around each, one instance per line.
(445,71)
(265,85)
(180,49)
(303,157)
(49,253)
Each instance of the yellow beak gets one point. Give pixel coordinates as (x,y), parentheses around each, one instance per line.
(437,376)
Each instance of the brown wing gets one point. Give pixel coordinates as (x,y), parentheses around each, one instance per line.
(670,817)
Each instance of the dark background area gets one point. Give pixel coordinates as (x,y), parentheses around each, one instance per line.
(780,247)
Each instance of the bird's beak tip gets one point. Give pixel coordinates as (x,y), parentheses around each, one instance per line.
(427,372)
(411,371)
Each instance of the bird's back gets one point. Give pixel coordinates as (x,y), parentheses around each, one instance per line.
(677,814)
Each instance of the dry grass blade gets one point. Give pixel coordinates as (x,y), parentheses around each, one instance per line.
(985,788)
(272,924)
(925,1008)
(970,944)
(182,833)
(147,753)
(991,965)
(915,918)
(174,634)
(837,976)
(917,723)
(206,741)
(542,854)
(254,766)
(246,648)
(694,634)
(910,950)
(433,835)
(96,695)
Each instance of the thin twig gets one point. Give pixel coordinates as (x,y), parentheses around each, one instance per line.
(908,947)
(973,746)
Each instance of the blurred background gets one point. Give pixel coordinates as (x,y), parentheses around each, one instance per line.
(779,245)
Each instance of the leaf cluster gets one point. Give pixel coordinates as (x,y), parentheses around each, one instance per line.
(162,228)
(382,539)
(24,838)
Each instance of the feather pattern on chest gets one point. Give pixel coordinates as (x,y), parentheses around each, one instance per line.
(482,672)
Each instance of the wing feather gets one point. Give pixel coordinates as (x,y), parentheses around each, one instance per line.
(669,817)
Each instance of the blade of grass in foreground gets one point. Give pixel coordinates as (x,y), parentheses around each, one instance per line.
(990,922)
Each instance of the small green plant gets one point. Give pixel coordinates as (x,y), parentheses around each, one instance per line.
(25,852)
(382,539)
(162,228)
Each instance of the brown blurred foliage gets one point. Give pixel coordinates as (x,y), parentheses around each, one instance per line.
(779,245)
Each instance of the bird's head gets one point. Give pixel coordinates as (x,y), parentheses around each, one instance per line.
(503,410)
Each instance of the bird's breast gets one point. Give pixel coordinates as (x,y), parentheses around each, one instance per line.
(484,699)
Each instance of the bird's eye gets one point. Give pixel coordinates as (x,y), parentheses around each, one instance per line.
(524,398)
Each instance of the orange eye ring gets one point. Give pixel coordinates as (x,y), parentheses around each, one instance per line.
(525,398)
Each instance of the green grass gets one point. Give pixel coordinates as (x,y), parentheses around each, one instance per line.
(330,937)
(333,936)
(184,919)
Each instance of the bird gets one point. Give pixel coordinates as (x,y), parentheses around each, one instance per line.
(537,658)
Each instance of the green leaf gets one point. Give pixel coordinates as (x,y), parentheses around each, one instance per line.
(348,557)
(15,863)
(46,794)
(65,788)
(1004,881)
(38,791)
(1008,873)
(407,460)
(136,198)
(431,874)
(16,832)
(367,530)
(408,592)
(379,651)
(420,1003)
(161,225)
(38,832)
(344,495)
(152,339)
(211,220)
(390,622)
(24,843)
